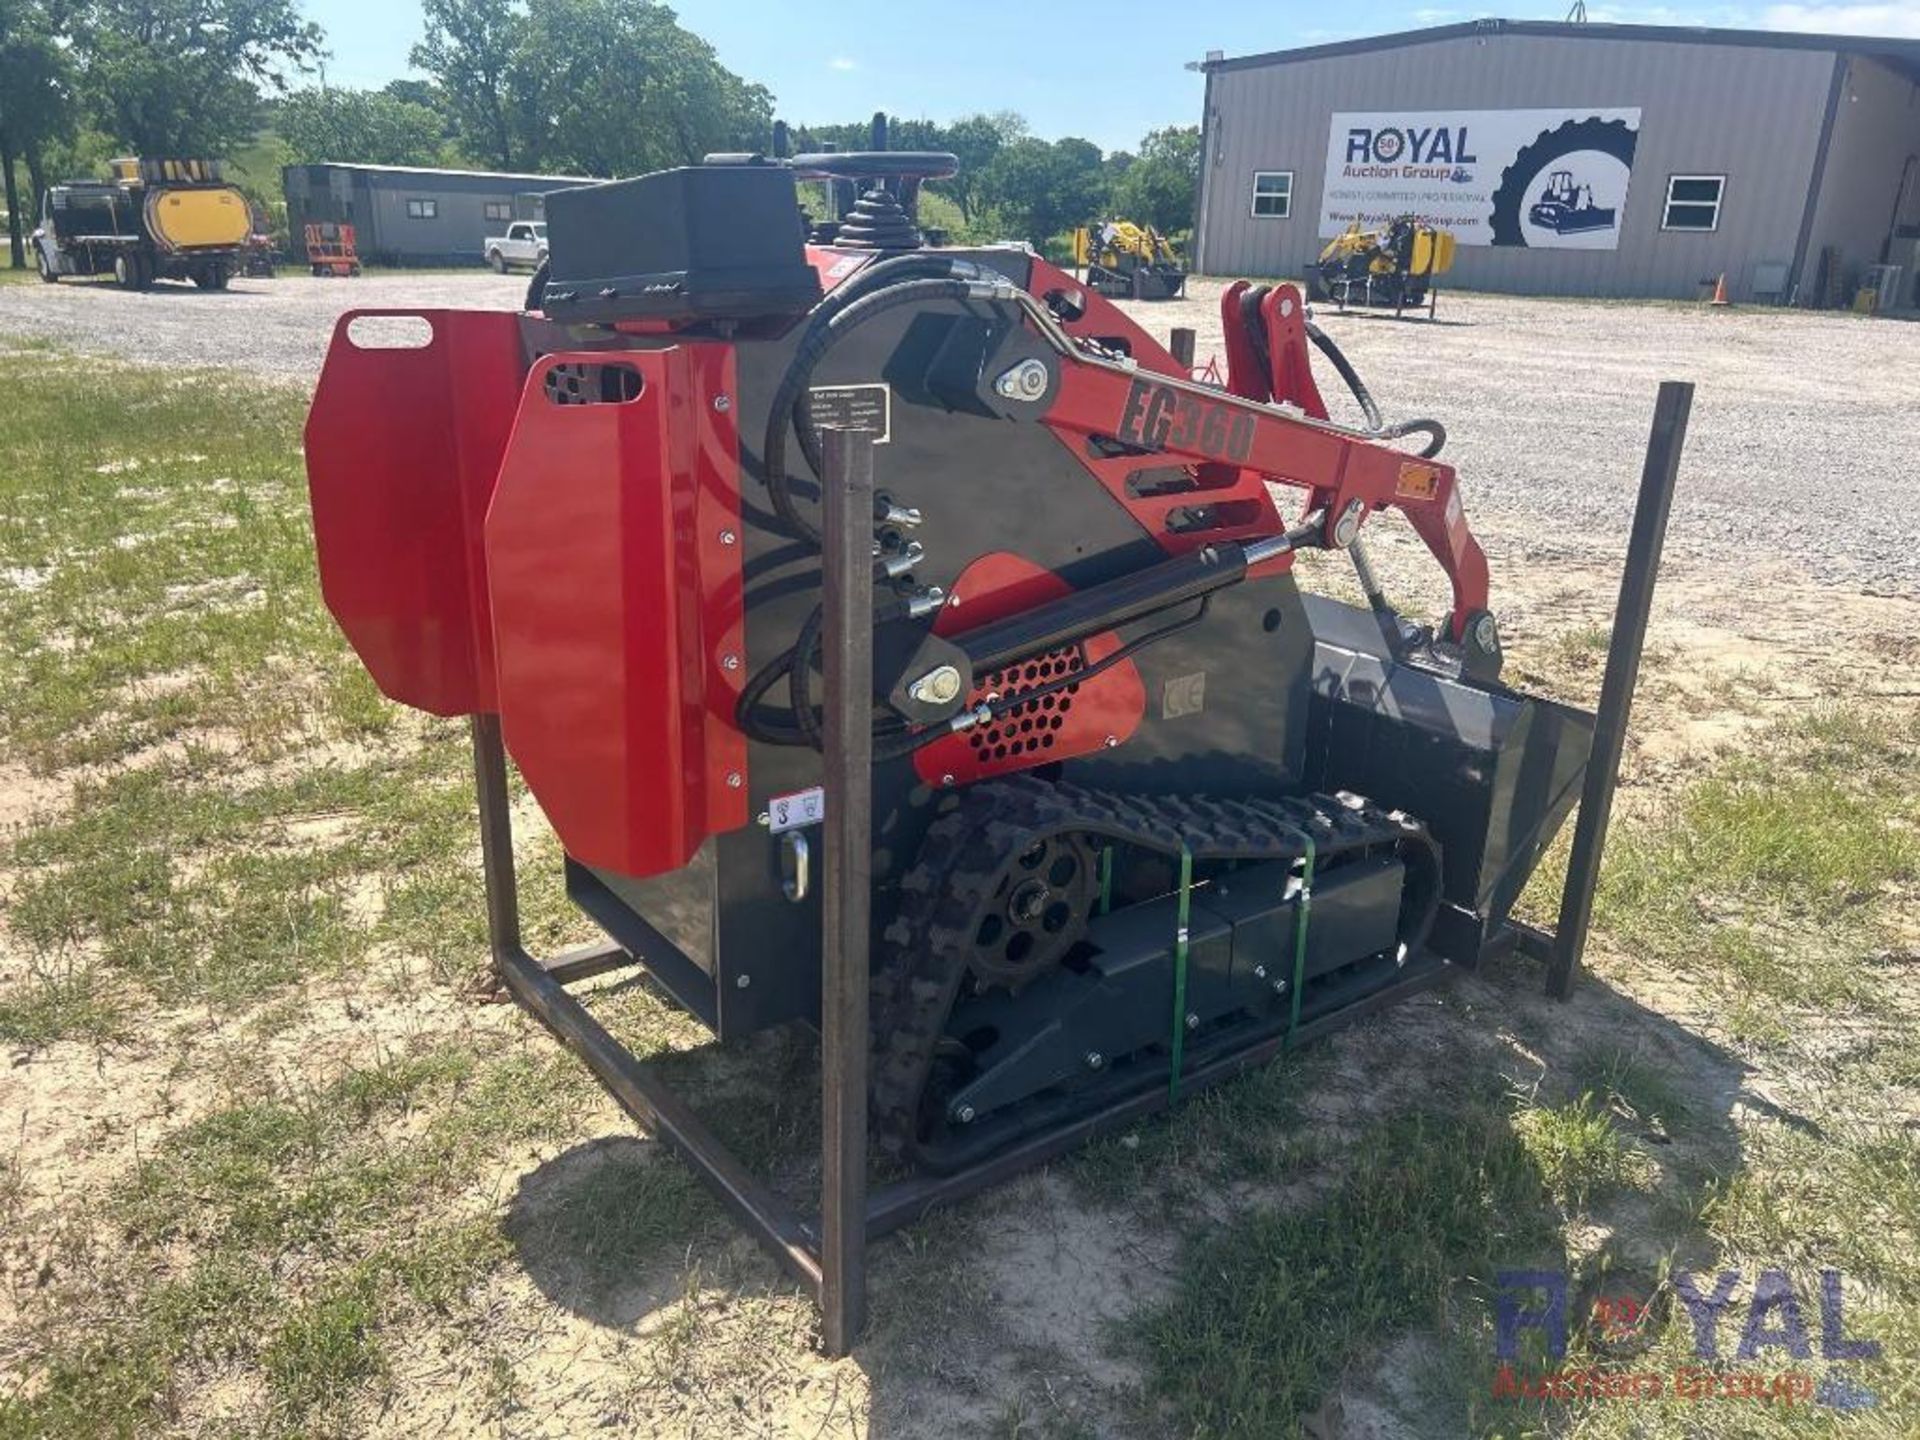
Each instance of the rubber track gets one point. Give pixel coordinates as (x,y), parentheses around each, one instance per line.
(925,950)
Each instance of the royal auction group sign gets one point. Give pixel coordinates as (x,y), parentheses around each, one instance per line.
(1549,179)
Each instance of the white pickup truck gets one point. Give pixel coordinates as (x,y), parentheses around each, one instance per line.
(525,243)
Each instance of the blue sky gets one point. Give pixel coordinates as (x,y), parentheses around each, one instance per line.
(1107,70)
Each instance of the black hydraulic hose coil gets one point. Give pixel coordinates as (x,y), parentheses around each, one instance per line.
(793,397)
(793,387)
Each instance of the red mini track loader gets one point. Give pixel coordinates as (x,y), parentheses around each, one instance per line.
(927,574)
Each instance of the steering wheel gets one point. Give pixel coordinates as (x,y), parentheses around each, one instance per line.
(877,165)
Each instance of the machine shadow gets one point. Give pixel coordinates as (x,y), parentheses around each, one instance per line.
(616,1230)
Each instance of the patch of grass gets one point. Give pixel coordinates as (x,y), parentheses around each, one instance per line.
(1776,871)
(617,1218)
(307,1214)
(59,1001)
(1636,1088)
(1247,1130)
(1576,1148)
(1271,1307)
(157,586)
(319,1168)
(1582,648)
(115,1380)
(159,560)
(324,1352)
(200,888)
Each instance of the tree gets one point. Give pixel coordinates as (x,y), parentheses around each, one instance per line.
(182,78)
(469,48)
(1044,188)
(417,92)
(367,127)
(1158,188)
(974,141)
(616,87)
(35,77)
(605,87)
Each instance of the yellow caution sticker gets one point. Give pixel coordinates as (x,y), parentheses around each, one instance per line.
(1417,482)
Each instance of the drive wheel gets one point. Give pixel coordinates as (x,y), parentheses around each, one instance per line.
(47,272)
(1036,909)
(497,261)
(126,271)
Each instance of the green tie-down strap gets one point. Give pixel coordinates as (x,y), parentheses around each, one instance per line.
(1308,855)
(1300,932)
(1179,1046)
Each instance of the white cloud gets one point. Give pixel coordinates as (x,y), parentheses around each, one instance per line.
(841,62)
(1887,19)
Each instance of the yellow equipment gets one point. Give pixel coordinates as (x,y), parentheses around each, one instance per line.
(191,219)
(1125,261)
(153,220)
(1395,266)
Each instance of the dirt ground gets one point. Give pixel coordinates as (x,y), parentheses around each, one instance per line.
(1793,583)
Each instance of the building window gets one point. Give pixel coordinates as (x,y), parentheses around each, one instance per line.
(1272,194)
(499,209)
(423,209)
(1693,202)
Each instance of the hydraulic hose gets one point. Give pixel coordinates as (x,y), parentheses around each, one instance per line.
(1324,343)
(898,269)
(892,271)
(1434,431)
(814,345)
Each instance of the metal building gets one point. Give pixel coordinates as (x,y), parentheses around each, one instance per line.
(407,216)
(1578,159)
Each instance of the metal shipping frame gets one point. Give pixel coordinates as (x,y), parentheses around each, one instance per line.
(826,1251)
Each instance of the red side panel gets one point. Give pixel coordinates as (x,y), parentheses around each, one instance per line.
(1078,720)
(614,558)
(402,449)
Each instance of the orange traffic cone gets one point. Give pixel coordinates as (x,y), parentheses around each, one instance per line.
(1720,290)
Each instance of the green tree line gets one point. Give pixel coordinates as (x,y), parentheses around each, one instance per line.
(592,87)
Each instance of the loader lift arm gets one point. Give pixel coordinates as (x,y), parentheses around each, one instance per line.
(1237,444)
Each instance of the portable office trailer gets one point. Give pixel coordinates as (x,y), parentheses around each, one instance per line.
(409,216)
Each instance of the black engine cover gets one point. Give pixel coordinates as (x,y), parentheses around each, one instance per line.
(702,242)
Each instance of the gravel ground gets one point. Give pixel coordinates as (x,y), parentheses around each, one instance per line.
(271,327)
(1802,426)
(1802,423)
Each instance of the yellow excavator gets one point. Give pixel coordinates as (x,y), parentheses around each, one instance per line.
(1395,266)
(1125,261)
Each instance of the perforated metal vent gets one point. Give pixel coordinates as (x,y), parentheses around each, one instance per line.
(1028,728)
(613,383)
